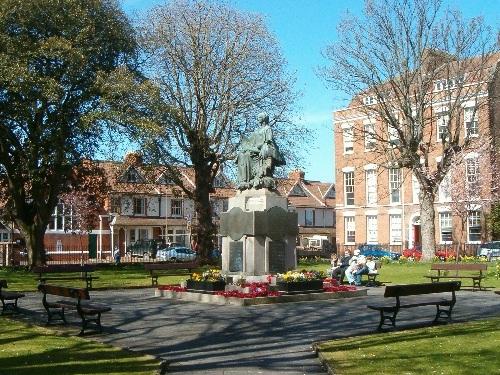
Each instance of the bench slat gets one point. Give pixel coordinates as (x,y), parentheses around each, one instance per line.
(459,267)
(417,289)
(64,291)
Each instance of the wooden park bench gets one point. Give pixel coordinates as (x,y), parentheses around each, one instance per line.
(66,272)
(372,276)
(474,271)
(158,269)
(9,299)
(87,312)
(389,311)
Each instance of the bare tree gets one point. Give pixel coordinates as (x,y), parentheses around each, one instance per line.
(472,182)
(411,66)
(212,69)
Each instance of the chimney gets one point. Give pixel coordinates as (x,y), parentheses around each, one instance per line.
(296,175)
(133,158)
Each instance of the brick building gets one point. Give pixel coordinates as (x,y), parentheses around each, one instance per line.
(145,205)
(314,203)
(379,204)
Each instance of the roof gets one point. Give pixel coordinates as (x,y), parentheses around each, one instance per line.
(465,66)
(305,193)
(151,179)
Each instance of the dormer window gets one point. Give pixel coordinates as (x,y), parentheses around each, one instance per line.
(297,191)
(367,100)
(164,180)
(446,84)
(219,181)
(131,176)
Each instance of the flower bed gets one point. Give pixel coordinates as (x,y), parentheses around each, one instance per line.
(300,282)
(255,290)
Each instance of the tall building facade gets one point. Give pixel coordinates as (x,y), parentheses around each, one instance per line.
(379,204)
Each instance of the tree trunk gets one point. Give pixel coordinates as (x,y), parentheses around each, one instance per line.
(205,229)
(34,236)
(427,220)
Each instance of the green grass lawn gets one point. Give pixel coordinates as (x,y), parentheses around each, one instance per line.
(465,348)
(110,277)
(30,350)
(410,273)
(126,276)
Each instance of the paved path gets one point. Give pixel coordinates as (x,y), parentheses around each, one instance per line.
(230,340)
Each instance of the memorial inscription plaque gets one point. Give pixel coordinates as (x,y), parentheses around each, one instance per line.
(236,256)
(276,256)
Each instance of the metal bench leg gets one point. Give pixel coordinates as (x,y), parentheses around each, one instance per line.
(440,312)
(384,317)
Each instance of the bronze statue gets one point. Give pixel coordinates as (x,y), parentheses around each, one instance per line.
(259,155)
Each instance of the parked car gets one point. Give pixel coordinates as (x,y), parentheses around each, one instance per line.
(180,253)
(377,251)
(143,248)
(489,249)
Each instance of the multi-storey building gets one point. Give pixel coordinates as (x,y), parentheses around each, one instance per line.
(379,204)
(143,204)
(314,203)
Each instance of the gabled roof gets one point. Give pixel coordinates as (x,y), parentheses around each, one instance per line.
(150,178)
(305,193)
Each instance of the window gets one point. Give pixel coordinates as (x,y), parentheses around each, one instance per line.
(219,181)
(371,186)
(446,227)
(180,236)
(474,227)
(367,100)
(132,176)
(392,135)
(395,185)
(472,173)
(395,229)
(442,126)
(176,208)
(116,205)
(139,206)
(369,136)
(415,189)
(62,218)
(4,236)
(348,135)
(225,204)
(309,217)
(371,229)
(350,235)
(445,189)
(349,188)
(471,124)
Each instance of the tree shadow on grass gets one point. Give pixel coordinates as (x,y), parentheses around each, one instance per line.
(39,353)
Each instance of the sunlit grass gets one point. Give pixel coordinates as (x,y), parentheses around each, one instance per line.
(466,348)
(31,350)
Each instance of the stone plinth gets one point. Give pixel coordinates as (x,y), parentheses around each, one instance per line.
(221,300)
(259,234)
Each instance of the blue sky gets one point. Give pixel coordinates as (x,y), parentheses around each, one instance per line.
(304,28)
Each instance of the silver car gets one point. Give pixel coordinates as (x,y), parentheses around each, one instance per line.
(176,254)
(489,249)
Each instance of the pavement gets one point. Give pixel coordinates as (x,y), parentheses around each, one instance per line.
(195,338)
